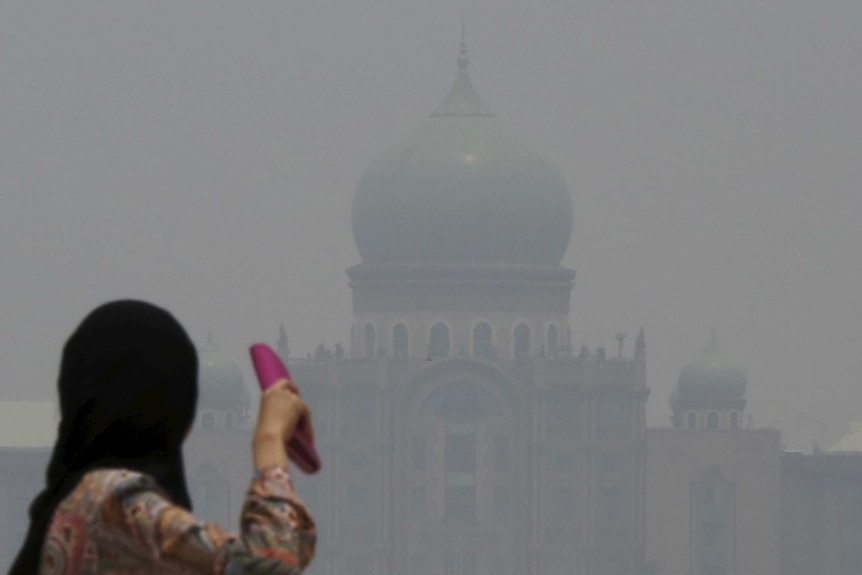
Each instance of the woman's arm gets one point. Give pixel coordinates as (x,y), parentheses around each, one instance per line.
(277,537)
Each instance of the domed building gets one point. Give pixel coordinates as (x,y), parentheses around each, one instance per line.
(461,434)
(713,487)
(217,477)
(223,397)
(461,226)
(710,392)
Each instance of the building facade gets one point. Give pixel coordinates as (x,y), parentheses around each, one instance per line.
(713,486)
(821,513)
(461,435)
(466,466)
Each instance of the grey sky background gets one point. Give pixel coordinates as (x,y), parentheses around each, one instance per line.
(203,155)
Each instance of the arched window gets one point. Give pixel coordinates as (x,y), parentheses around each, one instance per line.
(692,421)
(522,340)
(553,345)
(712,420)
(734,420)
(208,420)
(399,341)
(229,421)
(462,405)
(712,523)
(369,340)
(482,341)
(438,342)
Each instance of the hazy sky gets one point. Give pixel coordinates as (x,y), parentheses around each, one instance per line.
(204,154)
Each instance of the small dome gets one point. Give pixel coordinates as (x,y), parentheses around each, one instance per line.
(462,188)
(220,381)
(712,376)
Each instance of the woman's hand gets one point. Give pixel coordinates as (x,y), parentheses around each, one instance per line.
(281,411)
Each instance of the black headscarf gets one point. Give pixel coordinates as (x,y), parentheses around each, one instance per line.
(128,394)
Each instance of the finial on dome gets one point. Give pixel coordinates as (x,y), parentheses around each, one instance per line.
(283,349)
(210,337)
(713,342)
(463,59)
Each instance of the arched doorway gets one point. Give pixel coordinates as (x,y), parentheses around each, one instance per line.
(460,456)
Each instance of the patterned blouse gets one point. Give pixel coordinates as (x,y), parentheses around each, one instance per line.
(118,522)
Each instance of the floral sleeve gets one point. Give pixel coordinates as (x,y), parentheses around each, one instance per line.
(277,535)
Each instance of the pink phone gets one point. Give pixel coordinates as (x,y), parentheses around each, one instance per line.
(270,369)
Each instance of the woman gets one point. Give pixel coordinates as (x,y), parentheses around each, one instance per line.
(116,500)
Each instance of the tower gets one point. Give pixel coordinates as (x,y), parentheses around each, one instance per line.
(713,497)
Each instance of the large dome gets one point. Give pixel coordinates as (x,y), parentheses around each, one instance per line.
(462,188)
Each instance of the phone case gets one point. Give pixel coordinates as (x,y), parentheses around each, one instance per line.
(270,369)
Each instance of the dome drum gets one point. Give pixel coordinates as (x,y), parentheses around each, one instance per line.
(706,404)
(477,288)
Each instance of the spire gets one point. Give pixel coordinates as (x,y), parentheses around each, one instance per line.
(283,349)
(713,341)
(209,344)
(462,99)
(463,59)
